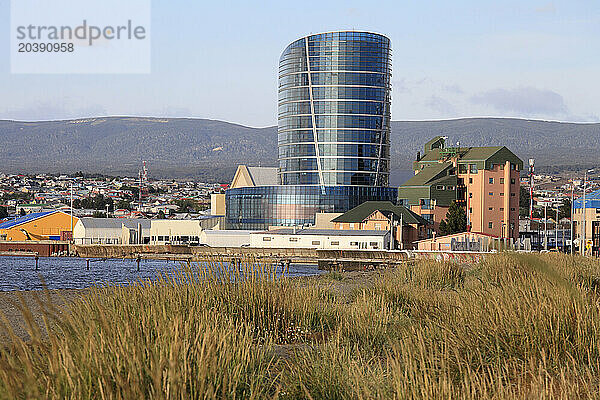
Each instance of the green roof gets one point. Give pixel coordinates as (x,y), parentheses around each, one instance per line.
(485,156)
(480,153)
(428,174)
(361,212)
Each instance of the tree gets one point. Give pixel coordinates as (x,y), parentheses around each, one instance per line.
(161,214)
(99,214)
(456,220)
(3,212)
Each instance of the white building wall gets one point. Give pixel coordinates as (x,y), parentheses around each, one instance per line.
(174,231)
(305,241)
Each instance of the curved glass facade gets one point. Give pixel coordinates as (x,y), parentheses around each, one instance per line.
(263,206)
(334,110)
(333,133)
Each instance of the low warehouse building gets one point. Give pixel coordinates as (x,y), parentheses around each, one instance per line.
(111,231)
(169,231)
(49,225)
(329,239)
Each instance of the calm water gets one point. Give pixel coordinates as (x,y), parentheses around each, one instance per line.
(18,273)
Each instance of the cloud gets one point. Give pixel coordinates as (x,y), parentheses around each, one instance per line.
(441,105)
(525,101)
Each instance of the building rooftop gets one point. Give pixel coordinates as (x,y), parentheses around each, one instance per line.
(113,223)
(24,219)
(361,212)
(325,232)
(428,174)
(592,200)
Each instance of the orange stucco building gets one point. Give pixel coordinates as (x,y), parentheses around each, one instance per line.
(484,180)
(51,225)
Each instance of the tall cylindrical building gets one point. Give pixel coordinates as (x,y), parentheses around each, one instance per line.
(334,110)
(333,133)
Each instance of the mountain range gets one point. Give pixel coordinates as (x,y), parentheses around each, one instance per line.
(210,150)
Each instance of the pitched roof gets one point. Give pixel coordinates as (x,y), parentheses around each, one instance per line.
(361,212)
(427,174)
(113,223)
(24,219)
(480,153)
(263,176)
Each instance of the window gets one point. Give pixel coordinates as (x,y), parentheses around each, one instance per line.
(471,210)
(491,193)
(426,204)
(473,168)
(491,209)
(512,194)
(502,194)
(377,227)
(335,243)
(266,239)
(353,243)
(490,225)
(491,180)
(462,168)
(470,195)
(316,242)
(440,187)
(470,180)
(501,180)
(293,239)
(512,209)
(512,181)
(449,187)
(352,225)
(501,208)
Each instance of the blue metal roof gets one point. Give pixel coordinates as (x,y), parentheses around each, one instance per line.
(592,200)
(24,219)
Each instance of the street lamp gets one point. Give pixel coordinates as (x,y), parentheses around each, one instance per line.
(584,207)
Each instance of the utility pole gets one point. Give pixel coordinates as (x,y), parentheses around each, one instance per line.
(572,198)
(546,226)
(556,228)
(531,170)
(583,245)
(71,210)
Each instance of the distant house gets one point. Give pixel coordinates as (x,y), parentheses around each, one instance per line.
(385,216)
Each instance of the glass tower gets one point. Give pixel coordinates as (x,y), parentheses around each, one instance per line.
(333,132)
(334,110)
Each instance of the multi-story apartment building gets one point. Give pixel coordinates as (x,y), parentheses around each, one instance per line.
(484,180)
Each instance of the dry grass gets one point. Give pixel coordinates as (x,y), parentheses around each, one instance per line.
(514,326)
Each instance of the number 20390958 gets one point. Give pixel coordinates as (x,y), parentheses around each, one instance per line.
(46,48)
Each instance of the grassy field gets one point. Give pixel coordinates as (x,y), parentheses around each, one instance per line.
(512,327)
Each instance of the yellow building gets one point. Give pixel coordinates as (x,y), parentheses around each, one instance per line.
(50,225)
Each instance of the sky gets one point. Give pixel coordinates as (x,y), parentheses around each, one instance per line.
(451,59)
